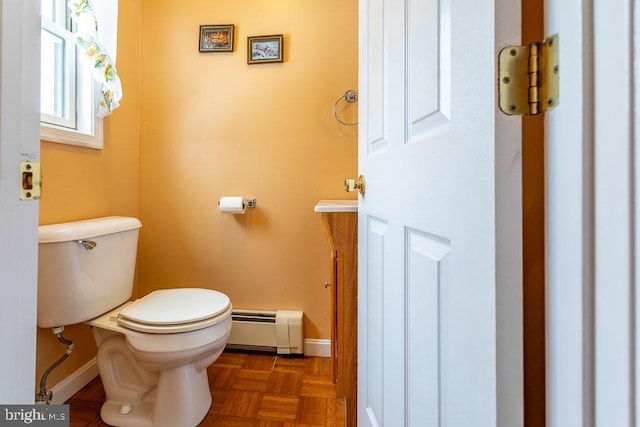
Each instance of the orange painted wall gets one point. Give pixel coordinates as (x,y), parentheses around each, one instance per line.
(80,183)
(212,125)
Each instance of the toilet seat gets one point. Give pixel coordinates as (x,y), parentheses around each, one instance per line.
(175,310)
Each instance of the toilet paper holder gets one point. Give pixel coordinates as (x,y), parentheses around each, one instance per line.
(248,202)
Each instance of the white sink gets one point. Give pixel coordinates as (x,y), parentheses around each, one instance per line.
(337,206)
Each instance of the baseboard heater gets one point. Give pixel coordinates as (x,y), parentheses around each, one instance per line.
(277,331)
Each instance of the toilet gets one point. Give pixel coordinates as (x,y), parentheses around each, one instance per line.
(153,352)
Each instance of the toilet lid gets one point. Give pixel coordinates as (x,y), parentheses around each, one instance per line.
(168,307)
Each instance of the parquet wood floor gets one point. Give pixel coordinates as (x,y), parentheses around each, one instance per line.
(249,390)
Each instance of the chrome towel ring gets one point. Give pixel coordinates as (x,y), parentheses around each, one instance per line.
(350,97)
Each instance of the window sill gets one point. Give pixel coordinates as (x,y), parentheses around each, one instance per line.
(62,136)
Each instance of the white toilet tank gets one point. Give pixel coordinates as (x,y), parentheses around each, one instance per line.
(85,268)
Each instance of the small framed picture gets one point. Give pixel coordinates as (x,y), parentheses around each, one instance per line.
(216,38)
(264,49)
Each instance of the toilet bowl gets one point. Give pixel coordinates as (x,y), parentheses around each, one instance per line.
(165,348)
(153,353)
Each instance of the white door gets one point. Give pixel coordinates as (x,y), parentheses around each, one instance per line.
(19,140)
(592,224)
(440,257)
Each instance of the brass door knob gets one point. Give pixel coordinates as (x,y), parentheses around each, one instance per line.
(351,184)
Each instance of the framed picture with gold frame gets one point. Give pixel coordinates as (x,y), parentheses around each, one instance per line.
(265,49)
(216,38)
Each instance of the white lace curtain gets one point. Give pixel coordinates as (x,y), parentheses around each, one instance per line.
(96,37)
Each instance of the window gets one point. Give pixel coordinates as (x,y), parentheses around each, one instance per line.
(57,68)
(67,89)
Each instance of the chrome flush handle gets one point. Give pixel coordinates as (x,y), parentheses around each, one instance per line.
(88,244)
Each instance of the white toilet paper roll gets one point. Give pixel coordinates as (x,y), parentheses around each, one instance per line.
(232,204)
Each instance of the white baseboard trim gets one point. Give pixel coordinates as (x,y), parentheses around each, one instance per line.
(74,382)
(315,347)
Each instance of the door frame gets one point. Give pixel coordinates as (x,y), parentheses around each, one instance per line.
(592,234)
(19,140)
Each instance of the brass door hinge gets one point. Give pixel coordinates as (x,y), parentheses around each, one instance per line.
(528,77)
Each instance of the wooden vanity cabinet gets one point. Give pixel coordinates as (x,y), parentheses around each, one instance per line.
(341,229)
